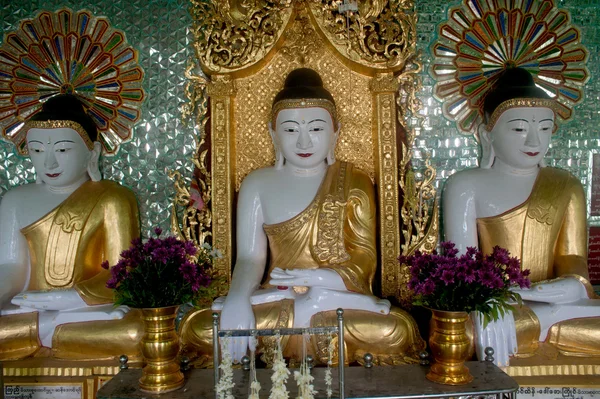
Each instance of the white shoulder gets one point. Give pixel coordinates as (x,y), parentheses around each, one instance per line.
(463,181)
(255,180)
(16,195)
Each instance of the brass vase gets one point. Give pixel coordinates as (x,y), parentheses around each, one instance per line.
(160,346)
(450,347)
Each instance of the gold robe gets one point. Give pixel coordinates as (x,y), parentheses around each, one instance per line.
(66,247)
(548,232)
(336,231)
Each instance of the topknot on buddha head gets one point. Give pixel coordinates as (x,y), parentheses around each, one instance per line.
(514,88)
(303,88)
(67,111)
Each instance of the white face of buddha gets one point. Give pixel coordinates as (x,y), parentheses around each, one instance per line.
(305,136)
(521,136)
(60,156)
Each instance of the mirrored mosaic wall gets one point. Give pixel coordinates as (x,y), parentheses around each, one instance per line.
(158,29)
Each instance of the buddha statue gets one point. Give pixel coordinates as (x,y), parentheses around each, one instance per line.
(538,213)
(54,235)
(306,245)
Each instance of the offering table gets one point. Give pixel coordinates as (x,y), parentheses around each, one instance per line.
(406,381)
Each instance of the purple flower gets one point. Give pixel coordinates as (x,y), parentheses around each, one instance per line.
(104,265)
(158,231)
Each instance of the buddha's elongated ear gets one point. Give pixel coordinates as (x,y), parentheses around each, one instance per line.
(278,154)
(487,151)
(332,145)
(93,168)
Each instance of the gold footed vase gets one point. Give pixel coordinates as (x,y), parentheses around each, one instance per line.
(160,346)
(450,347)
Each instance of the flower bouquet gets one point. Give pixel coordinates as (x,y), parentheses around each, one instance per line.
(453,286)
(163,272)
(157,276)
(469,282)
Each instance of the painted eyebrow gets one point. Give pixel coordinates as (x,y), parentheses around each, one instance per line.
(518,119)
(35,141)
(317,120)
(544,120)
(290,122)
(64,141)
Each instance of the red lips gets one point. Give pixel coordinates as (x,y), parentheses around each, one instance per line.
(52,175)
(532,154)
(305,155)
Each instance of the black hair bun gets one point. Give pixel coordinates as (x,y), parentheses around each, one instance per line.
(67,107)
(303,83)
(513,83)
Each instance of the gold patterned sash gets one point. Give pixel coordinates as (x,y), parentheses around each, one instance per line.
(65,233)
(546,200)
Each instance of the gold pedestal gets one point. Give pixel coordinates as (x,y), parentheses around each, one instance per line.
(81,375)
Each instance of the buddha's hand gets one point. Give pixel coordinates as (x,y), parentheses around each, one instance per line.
(500,335)
(67,299)
(558,291)
(237,314)
(327,278)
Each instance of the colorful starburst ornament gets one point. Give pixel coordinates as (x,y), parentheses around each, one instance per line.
(75,53)
(482,38)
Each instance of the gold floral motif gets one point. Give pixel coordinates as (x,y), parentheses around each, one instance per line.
(388,191)
(330,237)
(419,210)
(190,222)
(234,34)
(381,35)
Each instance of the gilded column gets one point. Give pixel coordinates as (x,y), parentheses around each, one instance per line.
(384,88)
(221,91)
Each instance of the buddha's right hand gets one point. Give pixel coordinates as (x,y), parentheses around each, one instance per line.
(237,314)
(500,335)
(557,291)
(58,299)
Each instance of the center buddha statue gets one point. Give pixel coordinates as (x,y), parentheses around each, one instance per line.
(54,235)
(313,221)
(538,214)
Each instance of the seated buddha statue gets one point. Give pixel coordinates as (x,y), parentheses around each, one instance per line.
(54,235)
(306,245)
(538,213)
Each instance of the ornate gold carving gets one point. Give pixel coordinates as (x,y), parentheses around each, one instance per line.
(419,210)
(385,107)
(384,83)
(232,35)
(381,35)
(221,108)
(191,222)
(330,237)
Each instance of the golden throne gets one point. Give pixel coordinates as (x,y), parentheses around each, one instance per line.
(369,63)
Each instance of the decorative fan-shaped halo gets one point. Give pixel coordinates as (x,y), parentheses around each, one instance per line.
(481,38)
(75,53)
